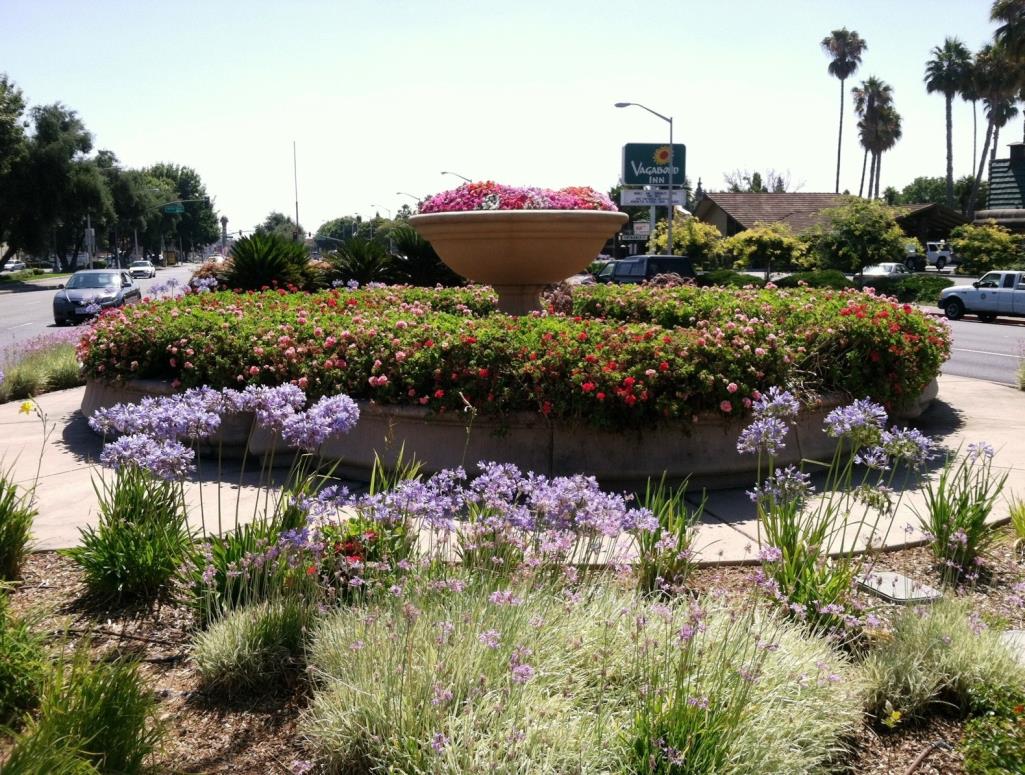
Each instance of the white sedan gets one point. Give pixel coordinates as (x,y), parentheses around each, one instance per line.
(886,270)
(142,269)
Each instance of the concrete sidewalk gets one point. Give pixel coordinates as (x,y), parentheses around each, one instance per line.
(966,411)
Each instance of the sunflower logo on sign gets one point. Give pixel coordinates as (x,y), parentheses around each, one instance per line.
(661,155)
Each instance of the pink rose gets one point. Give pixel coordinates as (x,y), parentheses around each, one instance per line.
(732,387)
(726,407)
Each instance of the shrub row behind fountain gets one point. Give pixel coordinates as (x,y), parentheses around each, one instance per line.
(658,364)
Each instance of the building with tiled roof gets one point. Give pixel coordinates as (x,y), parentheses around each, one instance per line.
(734,212)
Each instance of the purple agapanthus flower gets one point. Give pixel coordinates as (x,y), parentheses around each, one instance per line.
(908,445)
(980,449)
(765,434)
(860,422)
(776,402)
(786,485)
(165,459)
(274,405)
(330,416)
(874,458)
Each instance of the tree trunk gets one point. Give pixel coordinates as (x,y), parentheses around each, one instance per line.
(975,133)
(864,163)
(993,149)
(7,255)
(978,175)
(839,139)
(950,151)
(879,166)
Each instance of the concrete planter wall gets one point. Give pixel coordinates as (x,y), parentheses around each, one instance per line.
(704,451)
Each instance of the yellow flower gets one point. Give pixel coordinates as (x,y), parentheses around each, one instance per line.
(27,407)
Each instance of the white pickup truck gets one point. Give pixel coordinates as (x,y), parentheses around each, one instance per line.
(997,293)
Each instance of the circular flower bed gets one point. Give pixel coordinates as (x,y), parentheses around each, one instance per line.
(626,357)
(488,195)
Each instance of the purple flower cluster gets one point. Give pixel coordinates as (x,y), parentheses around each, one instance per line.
(193,414)
(165,459)
(203,284)
(786,486)
(329,416)
(860,422)
(776,402)
(764,435)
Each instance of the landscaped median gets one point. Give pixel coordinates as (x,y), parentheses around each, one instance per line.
(627,369)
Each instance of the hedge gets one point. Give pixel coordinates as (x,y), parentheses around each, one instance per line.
(626,355)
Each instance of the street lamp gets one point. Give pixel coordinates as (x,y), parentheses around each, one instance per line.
(668,120)
(411,196)
(445,172)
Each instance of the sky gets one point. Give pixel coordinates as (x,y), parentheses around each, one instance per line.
(381,96)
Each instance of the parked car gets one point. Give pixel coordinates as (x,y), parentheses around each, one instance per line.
(15,266)
(92,290)
(937,254)
(886,270)
(637,269)
(142,268)
(997,293)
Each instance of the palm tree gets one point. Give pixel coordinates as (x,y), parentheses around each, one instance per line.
(969,92)
(888,132)
(869,98)
(945,73)
(997,81)
(1003,111)
(845,47)
(1011,33)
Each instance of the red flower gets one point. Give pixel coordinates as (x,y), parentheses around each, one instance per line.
(587,387)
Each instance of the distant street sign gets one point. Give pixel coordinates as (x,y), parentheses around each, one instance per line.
(647,164)
(175,208)
(633,237)
(658,197)
(642,227)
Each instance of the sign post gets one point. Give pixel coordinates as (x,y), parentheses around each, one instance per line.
(654,164)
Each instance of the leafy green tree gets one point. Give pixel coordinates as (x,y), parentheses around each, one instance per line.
(740,181)
(13,148)
(198,225)
(1011,32)
(933,190)
(985,246)
(856,234)
(281,225)
(768,246)
(691,237)
(945,73)
(844,47)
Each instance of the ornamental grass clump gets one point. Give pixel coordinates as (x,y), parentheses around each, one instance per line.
(143,535)
(17,512)
(665,553)
(453,676)
(92,718)
(957,507)
(23,665)
(942,656)
(259,646)
(42,364)
(808,544)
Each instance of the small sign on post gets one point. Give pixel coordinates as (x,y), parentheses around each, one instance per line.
(175,208)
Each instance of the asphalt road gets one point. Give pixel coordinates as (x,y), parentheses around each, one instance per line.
(989,351)
(26,309)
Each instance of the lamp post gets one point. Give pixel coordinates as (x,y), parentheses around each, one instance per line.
(414,197)
(668,120)
(463,177)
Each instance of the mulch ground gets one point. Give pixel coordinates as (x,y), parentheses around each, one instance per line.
(211,732)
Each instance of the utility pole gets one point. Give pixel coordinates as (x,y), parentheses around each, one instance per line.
(295,178)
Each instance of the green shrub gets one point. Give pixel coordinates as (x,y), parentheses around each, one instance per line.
(995,743)
(363,261)
(728,278)
(919,289)
(141,540)
(941,656)
(268,261)
(17,512)
(35,755)
(985,246)
(253,647)
(637,356)
(23,666)
(416,263)
(101,714)
(818,278)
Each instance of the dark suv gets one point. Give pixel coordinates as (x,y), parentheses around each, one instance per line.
(639,268)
